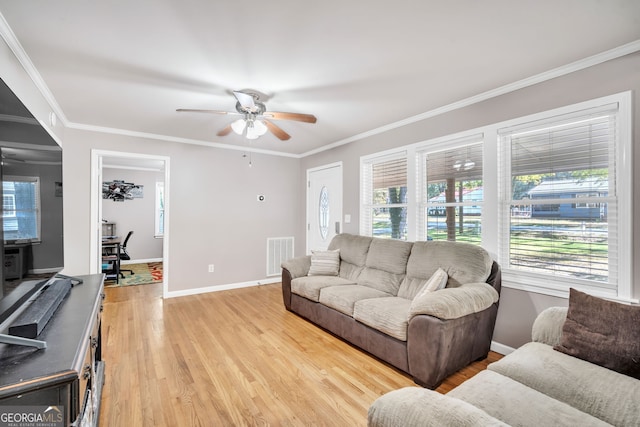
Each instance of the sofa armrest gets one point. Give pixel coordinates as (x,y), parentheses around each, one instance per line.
(453,303)
(413,406)
(298,267)
(547,328)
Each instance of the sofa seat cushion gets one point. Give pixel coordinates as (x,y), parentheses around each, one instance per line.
(343,298)
(387,314)
(603,393)
(309,286)
(518,405)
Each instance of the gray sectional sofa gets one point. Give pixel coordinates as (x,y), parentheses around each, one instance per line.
(376,298)
(536,385)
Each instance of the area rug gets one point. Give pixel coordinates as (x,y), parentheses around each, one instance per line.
(143,274)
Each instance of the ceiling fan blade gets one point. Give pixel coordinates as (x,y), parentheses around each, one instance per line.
(247,101)
(189,110)
(277,131)
(307,118)
(226,131)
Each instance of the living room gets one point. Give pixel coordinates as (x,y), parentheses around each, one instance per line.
(214,216)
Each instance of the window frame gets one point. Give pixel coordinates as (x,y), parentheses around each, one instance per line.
(493,227)
(366,190)
(559,286)
(38,206)
(421,154)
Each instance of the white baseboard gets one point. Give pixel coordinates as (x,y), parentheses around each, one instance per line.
(45,270)
(140,261)
(501,348)
(207,289)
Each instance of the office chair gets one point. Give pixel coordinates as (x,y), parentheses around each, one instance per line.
(124,255)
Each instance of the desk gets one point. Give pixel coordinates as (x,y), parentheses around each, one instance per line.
(111,256)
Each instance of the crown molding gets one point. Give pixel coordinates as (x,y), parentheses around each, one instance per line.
(581,64)
(12,41)
(136,134)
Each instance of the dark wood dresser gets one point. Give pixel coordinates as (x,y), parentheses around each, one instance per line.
(69,373)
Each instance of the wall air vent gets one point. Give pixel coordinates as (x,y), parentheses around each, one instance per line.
(279,249)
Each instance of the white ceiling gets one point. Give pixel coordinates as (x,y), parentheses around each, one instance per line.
(356,65)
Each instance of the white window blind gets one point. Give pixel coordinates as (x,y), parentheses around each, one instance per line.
(559,207)
(384,196)
(452,191)
(21,208)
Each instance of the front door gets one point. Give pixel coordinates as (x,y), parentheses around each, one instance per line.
(324,205)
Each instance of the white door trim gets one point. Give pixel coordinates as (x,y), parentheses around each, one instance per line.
(308,219)
(95,210)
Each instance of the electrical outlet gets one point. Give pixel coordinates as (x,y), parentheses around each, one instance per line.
(211,268)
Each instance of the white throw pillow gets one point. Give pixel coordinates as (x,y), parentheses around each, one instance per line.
(325,263)
(437,281)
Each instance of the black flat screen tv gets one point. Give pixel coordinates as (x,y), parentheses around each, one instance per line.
(31,236)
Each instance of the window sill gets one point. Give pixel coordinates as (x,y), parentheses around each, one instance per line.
(558,286)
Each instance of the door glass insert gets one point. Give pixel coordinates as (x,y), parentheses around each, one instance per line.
(323,213)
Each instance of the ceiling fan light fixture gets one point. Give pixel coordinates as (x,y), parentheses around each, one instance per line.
(238,126)
(255,129)
(468,164)
(259,127)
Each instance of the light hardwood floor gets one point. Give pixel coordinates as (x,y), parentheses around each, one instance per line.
(234,358)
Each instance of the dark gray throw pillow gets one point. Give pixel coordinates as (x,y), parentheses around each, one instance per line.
(602,332)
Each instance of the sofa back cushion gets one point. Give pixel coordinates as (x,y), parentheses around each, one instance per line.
(463,262)
(389,255)
(386,265)
(411,287)
(353,254)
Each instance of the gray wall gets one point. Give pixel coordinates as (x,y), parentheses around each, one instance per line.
(214,215)
(137,215)
(517,308)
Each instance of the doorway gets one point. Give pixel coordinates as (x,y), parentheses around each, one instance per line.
(138,163)
(324,205)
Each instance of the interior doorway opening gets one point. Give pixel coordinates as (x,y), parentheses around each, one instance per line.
(105,165)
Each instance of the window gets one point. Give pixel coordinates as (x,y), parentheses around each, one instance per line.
(548,195)
(452,192)
(384,192)
(21,208)
(563,171)
(159,211)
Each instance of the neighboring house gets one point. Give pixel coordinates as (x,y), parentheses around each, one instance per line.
(573,190)
(468,195)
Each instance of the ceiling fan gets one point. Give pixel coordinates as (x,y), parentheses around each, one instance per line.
(256,120)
